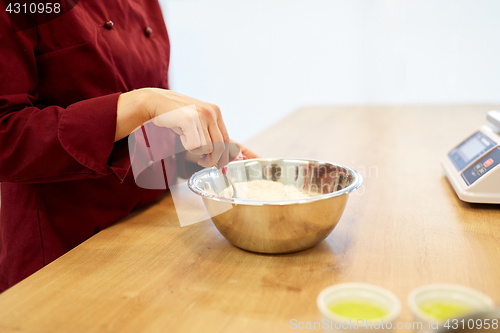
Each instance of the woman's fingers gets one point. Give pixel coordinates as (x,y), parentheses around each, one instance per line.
(204,137)
(215,139)
(187,123)
(182,121)
(234,151)
(200,125)
(248,153)
(190,137)
(216,148)
(225,148)
(220,123)
(218,144)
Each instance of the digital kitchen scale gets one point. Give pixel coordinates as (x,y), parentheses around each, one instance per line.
(473,166)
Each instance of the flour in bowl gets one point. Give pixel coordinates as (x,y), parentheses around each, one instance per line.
(266,190)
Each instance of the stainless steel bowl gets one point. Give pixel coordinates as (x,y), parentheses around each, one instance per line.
(278,226)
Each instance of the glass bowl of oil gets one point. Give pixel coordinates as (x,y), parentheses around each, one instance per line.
(358,307)
(436,304)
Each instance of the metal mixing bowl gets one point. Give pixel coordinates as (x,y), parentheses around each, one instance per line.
(277,226)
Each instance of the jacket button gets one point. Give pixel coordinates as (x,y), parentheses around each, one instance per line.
(109,25)
(148,31)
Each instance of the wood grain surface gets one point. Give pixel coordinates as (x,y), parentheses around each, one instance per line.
(403,228)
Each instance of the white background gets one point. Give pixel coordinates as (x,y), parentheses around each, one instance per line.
(259,60)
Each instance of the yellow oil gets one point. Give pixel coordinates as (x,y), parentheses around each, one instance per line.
(445,309)
(358,309)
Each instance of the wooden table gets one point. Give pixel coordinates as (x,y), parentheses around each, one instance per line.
(405,227)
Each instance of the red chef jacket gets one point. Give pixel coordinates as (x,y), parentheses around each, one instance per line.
(62,176)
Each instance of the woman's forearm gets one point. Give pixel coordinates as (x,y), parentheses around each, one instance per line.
(130,112)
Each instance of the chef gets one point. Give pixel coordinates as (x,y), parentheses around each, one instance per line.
(72,88)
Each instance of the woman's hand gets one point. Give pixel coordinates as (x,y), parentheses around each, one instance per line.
(199,124)
(244,153)
(247,153)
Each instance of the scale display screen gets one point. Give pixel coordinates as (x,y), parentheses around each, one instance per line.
(481,167)
(470,150)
